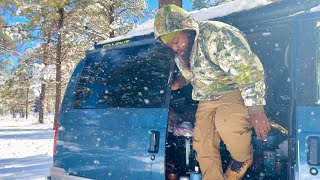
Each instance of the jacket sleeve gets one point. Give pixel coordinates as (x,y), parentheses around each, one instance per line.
(234,56)
(182,80)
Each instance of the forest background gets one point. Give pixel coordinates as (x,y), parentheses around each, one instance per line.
(42,41)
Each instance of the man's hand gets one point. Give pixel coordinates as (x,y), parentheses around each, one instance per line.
(178,83)
(260,124)
(175,85)
(259,121)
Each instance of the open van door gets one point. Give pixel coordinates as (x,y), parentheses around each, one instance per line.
(113,119)
(307,82)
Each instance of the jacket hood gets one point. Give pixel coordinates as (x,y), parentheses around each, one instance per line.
(171,18)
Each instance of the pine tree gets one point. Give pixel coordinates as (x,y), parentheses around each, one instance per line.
(16,94)
(65,30)
(7,48)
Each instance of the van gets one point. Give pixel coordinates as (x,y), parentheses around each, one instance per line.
(120,120)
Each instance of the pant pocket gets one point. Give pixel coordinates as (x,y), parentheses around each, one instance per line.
(234,118)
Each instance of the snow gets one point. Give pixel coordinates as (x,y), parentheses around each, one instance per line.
(203,14)
(315,9)
(26,148)
(228,8)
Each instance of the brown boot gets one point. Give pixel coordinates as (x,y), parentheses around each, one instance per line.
(237,169)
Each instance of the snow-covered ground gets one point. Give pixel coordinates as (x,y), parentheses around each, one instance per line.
(25,148)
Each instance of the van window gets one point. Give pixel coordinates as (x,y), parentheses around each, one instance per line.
(128,77)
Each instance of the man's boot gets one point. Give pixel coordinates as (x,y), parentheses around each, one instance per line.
(236,169)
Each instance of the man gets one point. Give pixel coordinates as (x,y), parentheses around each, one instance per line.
(228,81)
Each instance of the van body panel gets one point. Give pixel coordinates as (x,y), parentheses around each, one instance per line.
(114,141)
(99,141)
(307,130)
(308,118)
(303,167)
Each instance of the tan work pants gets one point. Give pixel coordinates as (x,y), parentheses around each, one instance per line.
(223,119)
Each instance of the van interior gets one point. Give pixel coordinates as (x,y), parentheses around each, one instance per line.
(272,44)
(181,158)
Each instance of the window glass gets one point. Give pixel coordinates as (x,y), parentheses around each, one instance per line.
(128,77)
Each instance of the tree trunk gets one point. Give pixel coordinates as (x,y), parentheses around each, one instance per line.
(47,107)
(27,100)
(13,113)
(164,2)
(111,20)
(58,68)
(41,102)
(42,97)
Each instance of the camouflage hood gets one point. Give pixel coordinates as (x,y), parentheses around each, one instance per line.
(172,18)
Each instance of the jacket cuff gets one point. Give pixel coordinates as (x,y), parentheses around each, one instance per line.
(256,109)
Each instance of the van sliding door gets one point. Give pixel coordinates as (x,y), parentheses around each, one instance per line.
(308,97)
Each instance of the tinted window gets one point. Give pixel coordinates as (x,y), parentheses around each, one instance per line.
(129,77)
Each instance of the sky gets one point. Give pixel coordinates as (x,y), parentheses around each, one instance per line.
(187,4)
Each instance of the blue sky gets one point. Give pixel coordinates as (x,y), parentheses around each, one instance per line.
(154,4)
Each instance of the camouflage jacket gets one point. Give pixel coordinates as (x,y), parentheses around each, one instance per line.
(221,60)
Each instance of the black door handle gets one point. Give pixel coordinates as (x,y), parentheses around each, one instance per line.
(154,141)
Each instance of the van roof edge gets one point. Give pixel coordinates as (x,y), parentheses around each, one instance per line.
(123,44)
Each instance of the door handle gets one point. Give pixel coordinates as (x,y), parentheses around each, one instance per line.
(313,150)
(154,141)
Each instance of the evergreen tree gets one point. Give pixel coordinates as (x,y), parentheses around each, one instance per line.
(17,93)
(64,30)
(7,48)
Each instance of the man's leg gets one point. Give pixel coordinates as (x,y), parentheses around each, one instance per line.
(206,142)
(235,130)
